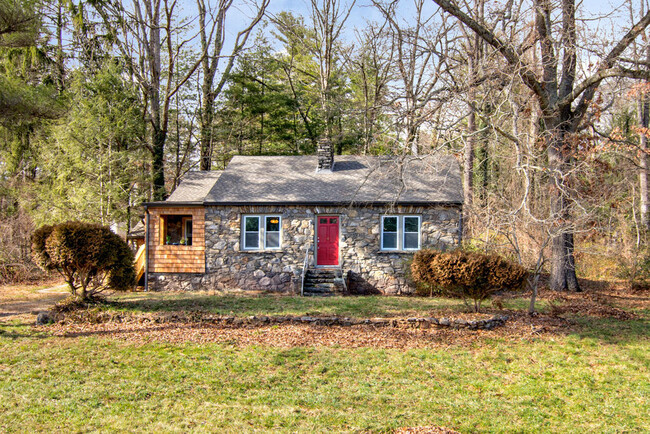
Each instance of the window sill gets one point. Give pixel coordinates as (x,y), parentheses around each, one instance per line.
(383,252)
(260,250)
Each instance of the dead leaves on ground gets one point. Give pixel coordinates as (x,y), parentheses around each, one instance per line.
(195,327)
(140,331)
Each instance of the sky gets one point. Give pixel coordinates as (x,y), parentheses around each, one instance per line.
(363,12)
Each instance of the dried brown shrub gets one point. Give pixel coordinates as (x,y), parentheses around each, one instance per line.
(467,274)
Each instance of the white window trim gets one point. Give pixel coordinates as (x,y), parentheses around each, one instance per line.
(400,234)
(185,232)
(244,232)
(381,241)
(279,232)
(419,232)
(261,233)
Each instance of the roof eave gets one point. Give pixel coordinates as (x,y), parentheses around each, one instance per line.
(163,204)
(345,203)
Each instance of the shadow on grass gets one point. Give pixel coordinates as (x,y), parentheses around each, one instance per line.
(22,331)
(611,330)
(360,306)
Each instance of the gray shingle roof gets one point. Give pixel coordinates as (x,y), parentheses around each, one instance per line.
(360,179)
(136,231)
(195,186)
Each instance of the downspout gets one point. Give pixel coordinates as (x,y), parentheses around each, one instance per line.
(146,248)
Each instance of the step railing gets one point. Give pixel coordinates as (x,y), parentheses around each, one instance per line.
(139,263)
(305,267)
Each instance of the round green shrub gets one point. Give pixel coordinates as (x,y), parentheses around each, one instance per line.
(90,257)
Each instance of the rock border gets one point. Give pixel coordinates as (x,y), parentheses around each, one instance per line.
(95,317)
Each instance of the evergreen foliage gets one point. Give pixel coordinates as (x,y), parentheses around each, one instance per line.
(90,257)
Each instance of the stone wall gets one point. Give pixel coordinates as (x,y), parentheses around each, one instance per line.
(370,269)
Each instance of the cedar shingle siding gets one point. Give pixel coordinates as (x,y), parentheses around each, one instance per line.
(176,259)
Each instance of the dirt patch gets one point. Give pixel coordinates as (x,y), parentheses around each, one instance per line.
(425,430)
(24,302)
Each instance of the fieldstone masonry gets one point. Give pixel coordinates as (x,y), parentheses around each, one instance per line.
(228,267)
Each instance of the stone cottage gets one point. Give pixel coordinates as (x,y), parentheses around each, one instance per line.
(303,224)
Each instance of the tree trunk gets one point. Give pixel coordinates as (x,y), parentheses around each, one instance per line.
(157,163)
(207,116)
(644,117)
(563,272)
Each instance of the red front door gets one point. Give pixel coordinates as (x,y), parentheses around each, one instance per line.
(327,240)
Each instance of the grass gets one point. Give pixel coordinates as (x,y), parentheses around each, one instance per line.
(593,378)
(87,384)
(238,305)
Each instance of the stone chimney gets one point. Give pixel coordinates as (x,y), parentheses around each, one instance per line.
(325,155)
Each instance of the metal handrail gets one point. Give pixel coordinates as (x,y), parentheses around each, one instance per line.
(304,270)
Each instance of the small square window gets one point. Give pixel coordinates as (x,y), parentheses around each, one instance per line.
(176,230)
(333,220)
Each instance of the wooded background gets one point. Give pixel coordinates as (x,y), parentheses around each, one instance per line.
(106,104)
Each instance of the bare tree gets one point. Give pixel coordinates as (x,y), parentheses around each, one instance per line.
(212,43)
(643,118)
(328,21)
(370,65)
(420,47)
(563,98)
(140,32)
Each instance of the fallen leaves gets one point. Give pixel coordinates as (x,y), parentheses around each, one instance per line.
(141,330)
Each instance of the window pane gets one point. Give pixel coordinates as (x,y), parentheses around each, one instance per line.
(323,221)
(333,221)
(272,239)
(252,224)
(410,240)
(411,224)
(251,240)
(390,224)
(390,241)
(174,229)
(273,224)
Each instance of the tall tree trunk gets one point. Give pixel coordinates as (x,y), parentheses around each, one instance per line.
(207,118)
(563,272)
(212,43)
(468,169)
(60,67)
(644,117)
(158,137)
(473,55)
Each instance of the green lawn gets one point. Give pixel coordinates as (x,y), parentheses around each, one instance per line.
(242,305)
(593,380)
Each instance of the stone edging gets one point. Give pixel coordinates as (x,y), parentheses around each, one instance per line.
(199,317)
(413,322)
